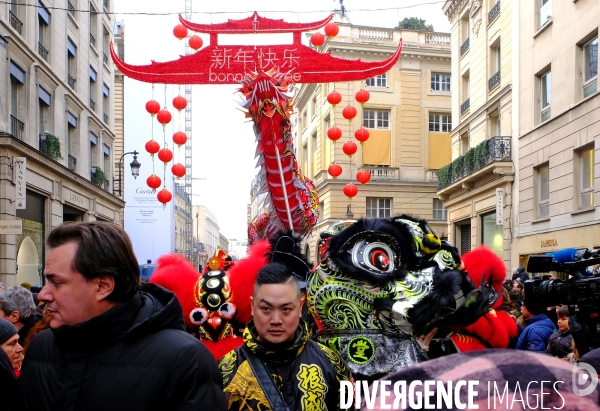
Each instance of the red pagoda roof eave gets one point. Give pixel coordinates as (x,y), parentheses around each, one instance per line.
(265,25)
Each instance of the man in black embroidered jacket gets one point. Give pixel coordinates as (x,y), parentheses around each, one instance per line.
(301,373)
(112,345)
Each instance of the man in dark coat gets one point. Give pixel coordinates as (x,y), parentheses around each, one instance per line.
(111,344)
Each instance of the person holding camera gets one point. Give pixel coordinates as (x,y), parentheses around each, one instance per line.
(536,335)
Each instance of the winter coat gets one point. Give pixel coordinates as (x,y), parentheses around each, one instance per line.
(306,373)
(8,383)
(536,334)
(560,344)
(135,356)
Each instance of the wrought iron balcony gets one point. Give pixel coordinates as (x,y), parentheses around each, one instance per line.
(92,105)
(496,149)
(15,22)
(92,40)
(42,51)
(71,8)
(72,162)
(464,107)
(17,127)
(494,81)
(106,4)
(494,12)
(105,58)
(465,46)
(71,81)
(105,118)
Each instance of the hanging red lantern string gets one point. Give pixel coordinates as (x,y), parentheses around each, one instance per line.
(180,31)
(335,170)
(152,107)
(334,98)
(350,148)
(363,176)
(165,155)
(334,133)
(350,190)
(317,39)
(331,30)
(362,96)
(164,117)
(153,182)
(349,112)
(195,42)
(179,103)
(164,196)
(362,134)
(179,138)
(178,170)
(152,147)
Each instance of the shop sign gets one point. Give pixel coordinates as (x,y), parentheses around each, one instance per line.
(21,183)
(549,243)
(499,205)
(11,226)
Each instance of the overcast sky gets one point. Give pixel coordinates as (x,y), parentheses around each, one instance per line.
(222,139)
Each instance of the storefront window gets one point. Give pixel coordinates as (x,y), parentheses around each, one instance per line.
(492,235)
(30,244)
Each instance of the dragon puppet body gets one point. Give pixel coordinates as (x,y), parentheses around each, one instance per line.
(291,199)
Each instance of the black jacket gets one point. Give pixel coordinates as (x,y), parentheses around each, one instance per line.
(8,383)
(136,356)
(306,373)
(560,344)
(27,325)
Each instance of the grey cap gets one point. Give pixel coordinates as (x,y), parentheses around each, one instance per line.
(7,330)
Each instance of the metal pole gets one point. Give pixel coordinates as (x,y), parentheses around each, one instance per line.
(285,197)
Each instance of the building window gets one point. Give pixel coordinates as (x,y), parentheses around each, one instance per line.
(71,63)
(44,110)
(545,12)
(464,143)
(313,106)
(305,156)
(586,157)
(378,81)
(43,31)
(590,67)
(105,45)
(440,122)
(376,119)
(379,207)
(93,25)
(546,95)
(93,90)
(439,211)
(465,90)
(440,82)
(304,120)
(105,102)
(543,191)
(495,124)
(492,234)
(315,141)
(326,124)
(93,147)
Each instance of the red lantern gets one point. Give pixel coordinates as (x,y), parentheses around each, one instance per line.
(363,176)
(152,147)
(362,134)
(362,96)
(179,138)
(179,103)
(317,39)
(153,182)
(163,117)
(349,113)
(178,170)
(335,170)
(164,196)
(350,190)
(349,148)
(334,98)
(165,155)
(334,133)
(152,107)
(180,31)
(331,30)
(195,42)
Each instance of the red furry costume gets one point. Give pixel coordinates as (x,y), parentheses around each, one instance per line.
(216,305)
(494,329)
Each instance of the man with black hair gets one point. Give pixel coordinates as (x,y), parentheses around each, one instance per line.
(278,367)
(536,334)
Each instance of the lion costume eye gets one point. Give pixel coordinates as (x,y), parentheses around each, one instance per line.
(373,256)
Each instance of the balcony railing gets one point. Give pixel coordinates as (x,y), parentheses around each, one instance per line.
(105,118)
(496,149)
(105,58)
(437,38)
(42,51)
(383,173)
(375,34)
(92,40)
(72,162)
(494,81)
(92,105)
(15,22)
(71,81)
(465,46)
(494,12)
(464,107)
(17,127)
(71,8)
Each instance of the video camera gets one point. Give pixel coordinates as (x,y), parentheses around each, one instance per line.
(580,292)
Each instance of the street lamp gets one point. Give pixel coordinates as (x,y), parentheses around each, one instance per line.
(349,212)
(135,170)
